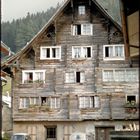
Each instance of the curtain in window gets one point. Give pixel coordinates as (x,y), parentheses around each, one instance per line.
(77,52)
(86,29)
(118,51)
(108,75)
(119,75)
(111,51)
(38,76)
(24,102)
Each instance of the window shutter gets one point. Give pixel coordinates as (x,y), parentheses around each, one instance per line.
(43,53)
(81,102)
(73,30)
(82,77)
(57,52)
(96,102)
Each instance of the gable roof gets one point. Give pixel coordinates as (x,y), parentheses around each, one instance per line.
(53,18)
(5,49)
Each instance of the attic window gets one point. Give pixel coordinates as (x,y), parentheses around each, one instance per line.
(81,10)
(52,52)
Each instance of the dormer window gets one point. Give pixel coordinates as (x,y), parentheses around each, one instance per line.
(81,10)
(50,52)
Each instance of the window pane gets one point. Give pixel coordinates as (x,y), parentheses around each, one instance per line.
(81,102)
(53,52)
(96,101)
(119,75)
(81,10)
(38,76)
(108,75)
(51,132)
(24,102)
(28,77)
(110,51)
(78,77)
(33,100)
(70,77)
(48,53)
(118,51)
(86,29)
(77,52)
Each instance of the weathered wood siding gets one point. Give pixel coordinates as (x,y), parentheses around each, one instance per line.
(112,95)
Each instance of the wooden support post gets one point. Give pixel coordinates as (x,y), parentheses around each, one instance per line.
(72,11)
(124,28)
(55,36)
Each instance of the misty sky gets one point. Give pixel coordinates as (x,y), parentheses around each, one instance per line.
(13,9)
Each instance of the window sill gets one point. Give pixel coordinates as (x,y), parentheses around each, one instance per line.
(50,58)
(80,59)
(114,59)
(38,109)
(88,109)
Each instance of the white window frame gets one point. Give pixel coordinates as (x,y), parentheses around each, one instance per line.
(81,9)
(127,78)
(34,75)
(136,97)
(33,100)
(113,57)
(82,26)
(42,53)
(82,52)
(68,79)
(54,102)
(94,102)
(23,102)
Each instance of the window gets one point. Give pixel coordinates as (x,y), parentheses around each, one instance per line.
(52,52)
(51,132)
(24,102)
(120,75)
(75,77)
(113,52)
(52,102)
(82,29)
(81,52)
(69,77)
(108,75)
(131,100)
(33,100)
(89,102)
(81,10)
(29,76)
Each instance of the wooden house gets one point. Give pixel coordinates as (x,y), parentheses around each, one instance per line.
(72,81)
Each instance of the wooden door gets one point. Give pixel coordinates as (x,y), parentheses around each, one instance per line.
(102,133)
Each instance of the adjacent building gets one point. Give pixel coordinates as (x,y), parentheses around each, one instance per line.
(72,81)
